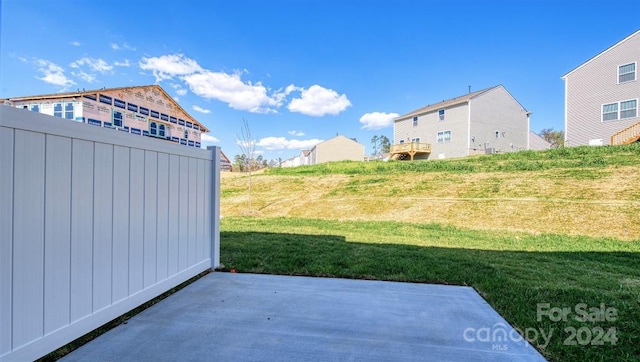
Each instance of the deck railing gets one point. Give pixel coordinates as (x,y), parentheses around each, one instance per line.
(410,147)
(627,135)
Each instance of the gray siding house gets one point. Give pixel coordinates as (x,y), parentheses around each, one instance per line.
(339,148)
(487,121)
(537,143)
(601,96)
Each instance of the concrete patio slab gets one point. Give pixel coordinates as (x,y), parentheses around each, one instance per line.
(252,317)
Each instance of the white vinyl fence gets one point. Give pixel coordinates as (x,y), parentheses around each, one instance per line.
(93,223)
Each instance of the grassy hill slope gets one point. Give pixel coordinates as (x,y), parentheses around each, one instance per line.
(591,191)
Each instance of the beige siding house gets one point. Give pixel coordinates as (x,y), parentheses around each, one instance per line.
(601,96)
(339,148)
(486,121)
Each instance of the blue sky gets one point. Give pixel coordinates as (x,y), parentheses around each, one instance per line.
(303,71)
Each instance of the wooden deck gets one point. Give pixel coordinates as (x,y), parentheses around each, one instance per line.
(408,149)
(628,135)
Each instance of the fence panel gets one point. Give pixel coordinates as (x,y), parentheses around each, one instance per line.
(93,223)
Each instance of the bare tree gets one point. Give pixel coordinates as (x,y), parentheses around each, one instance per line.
(556,138)
(248,148)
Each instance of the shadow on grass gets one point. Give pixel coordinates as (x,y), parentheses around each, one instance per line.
(515,283)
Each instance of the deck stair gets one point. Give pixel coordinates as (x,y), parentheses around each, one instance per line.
(626,136)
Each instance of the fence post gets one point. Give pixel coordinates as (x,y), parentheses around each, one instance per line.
(215,206)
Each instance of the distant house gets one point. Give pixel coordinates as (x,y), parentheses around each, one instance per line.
(537,143)
(139,110)
(303,159)
(601,97)
(225,163)
(338,148)
(291,162)
(487,121)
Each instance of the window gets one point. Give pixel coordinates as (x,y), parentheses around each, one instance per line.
(35,108)
(155,114)
(627,73)
(441,114)
(497,134)
(444,137)
(68,110)
(401,141)
(119,103)
(117,119)
(144,111)
(610,112)
(620,110)
(153,128)
(132,107)
(417,139)
(57,110)
(628,109)
(186,134)
(157,129)
(415,121)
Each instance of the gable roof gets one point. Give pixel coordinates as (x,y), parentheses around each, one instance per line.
(83,92)
(446,103)
(601,53)
(332,138)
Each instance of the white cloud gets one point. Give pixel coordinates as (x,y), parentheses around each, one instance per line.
(169,66)
(124,63)
(377,120)
(230,88)
(96,65)
(318,101)
(75,43)
(53,74)
(179,90)
(126,46)
(296,133)
(207,138)
(89,78)
(280,143)
(201,110)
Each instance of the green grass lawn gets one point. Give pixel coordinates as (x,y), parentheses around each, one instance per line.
(514,272)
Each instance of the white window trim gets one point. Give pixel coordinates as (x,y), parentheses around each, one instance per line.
(444,112)
(635,73)
(444,140)
(619,111)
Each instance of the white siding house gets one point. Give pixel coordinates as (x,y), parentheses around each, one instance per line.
(486,121)
(601,96)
